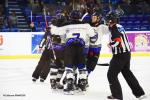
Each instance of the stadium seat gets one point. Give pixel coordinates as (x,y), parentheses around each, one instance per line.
(128,28)
(123,23)
(135,28)
(145,22)
(39,29)
(48,18)
(33,18)
(39,18)
(132,18)
(36,24)
(144,28)
(43,24)
(137,23)
(129,23)
(5,30)
(124,18)
(139,17)
(14,30)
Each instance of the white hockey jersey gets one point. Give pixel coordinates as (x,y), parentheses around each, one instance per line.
(82,31)
(100,30)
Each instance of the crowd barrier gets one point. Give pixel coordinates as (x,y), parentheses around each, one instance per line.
(25,44)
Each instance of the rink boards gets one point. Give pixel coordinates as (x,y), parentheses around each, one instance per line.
(14,45)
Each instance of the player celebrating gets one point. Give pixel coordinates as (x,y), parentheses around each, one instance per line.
(77,38)
(95,48)
(57,68)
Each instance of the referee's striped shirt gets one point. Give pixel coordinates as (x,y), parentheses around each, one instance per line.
(118,40)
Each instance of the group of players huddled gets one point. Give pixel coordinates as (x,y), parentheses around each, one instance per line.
(71,50)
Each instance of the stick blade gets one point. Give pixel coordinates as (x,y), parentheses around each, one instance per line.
(103,64)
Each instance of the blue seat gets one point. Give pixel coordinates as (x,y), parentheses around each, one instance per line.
(129,23)
(128,28)
(145,22)
(124,18)
(33,18)
(43,24)
(144,28)
(39,30)
(137,23)
(27,11)
(14,30)
(5,30)
(48,18)
(135,28)
(123,23)
(132,18)
(139,17)
(36,24)
(39,18)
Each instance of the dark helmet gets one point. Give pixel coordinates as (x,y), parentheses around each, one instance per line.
(97,15)
(91,8)
(60,16)
(113,17)
(75,14)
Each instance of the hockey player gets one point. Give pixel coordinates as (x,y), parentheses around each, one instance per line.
(57,69)
(77,38)
(87,17)
(57,65)
(95,48)
(120,61)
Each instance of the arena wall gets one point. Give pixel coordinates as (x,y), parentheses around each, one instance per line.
(15,45)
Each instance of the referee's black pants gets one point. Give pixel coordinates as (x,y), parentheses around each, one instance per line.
(43,67)
(121,63)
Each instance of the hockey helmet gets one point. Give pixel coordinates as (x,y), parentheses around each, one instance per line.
(60,16)
(75,14)
(112,18)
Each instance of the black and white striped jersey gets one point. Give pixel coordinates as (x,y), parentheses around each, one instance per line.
(44,40)
(48,40)
(118,39)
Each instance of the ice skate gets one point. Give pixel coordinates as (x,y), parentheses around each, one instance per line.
(53,83)
(69,87)
(143,97)
(82,84)
(41,80)
(59,86)
(34,79)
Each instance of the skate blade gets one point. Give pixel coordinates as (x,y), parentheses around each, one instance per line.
(69,93)
(56,91)
(144,97)
(80,92)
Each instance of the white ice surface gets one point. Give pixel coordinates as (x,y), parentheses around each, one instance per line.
(15,79)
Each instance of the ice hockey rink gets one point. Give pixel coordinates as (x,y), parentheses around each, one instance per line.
(16,84)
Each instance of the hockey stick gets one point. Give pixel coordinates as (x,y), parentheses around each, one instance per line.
(54,55)
(103,64)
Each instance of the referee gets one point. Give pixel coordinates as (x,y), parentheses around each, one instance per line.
(42,69)
(120,61)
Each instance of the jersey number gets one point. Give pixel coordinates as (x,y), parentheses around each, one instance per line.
(77,35)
